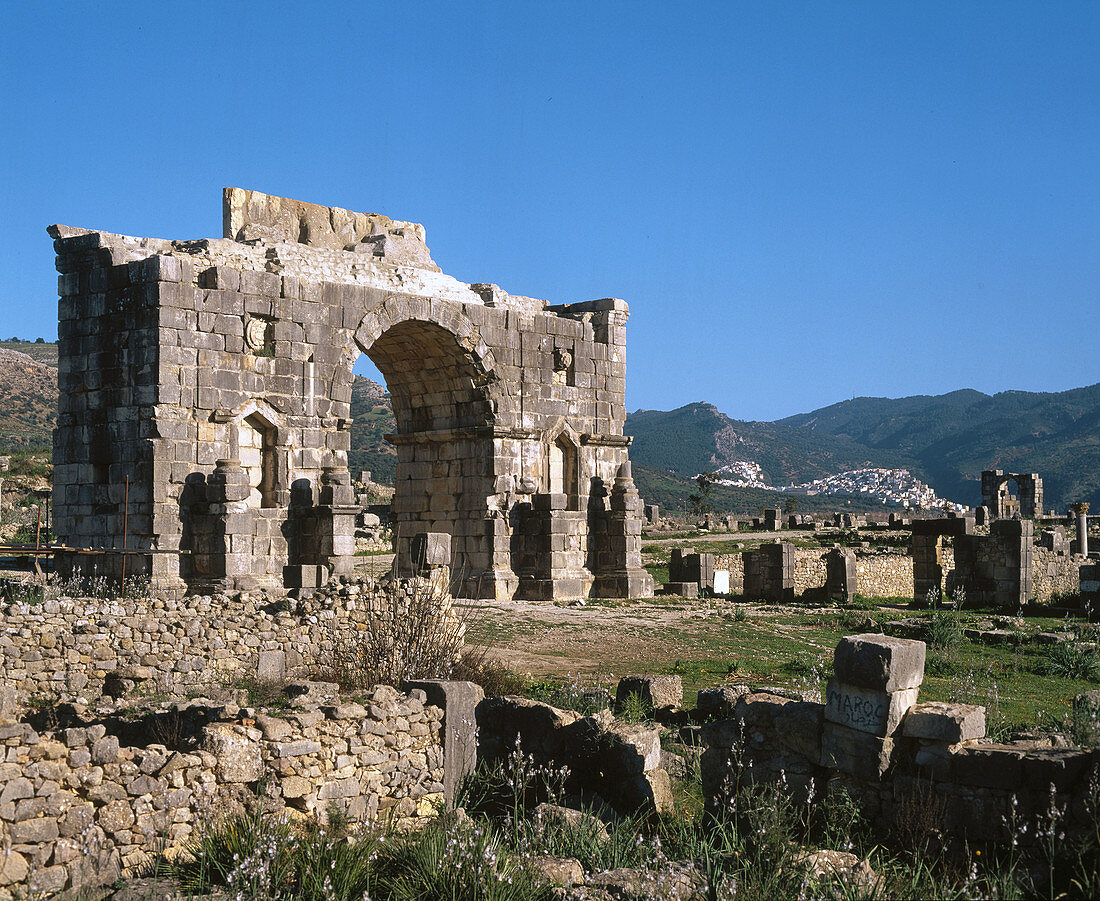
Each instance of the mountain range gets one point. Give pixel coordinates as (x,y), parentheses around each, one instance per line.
(946,440)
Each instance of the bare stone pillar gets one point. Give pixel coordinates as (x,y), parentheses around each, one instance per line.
(336,514)
(769,572)
(1082,510)
(624,577)
(841,580)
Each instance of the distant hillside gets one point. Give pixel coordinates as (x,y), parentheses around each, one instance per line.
(372,420)
(699,438)
(955,436)
(28,388)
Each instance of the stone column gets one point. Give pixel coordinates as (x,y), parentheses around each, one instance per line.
(841,583)
(1081,508)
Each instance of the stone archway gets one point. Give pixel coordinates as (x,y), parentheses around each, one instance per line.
(509,409)
(1002,503)
(440,389)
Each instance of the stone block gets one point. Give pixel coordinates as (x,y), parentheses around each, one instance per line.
(626,749)
(879,662)
(271,666)
(238,758)
(855,753)
(721,581)
(867,709)
(655,691)
(720,702)
(431,549)
(947,723)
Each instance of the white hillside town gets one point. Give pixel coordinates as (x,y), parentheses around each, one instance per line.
(889,486)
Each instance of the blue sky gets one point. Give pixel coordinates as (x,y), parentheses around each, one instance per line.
(800,201)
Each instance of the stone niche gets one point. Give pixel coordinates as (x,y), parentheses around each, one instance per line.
(205,409)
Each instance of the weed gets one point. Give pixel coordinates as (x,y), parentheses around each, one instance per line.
(634,709)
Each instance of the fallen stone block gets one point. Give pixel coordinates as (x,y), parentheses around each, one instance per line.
(564,872)
(653,691)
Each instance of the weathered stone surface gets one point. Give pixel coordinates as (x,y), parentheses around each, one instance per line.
(561,871)
(721,701)
(854,752)
(459,701)
(879,662)
(855,873)
(865,709)
(115,816)
(13,868)
(678,881)
(573,819)
(948,723)
(627,749)
(272,666)
(238,758)
(105,750)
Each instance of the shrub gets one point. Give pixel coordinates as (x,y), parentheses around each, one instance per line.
(1069,660)
(411,632)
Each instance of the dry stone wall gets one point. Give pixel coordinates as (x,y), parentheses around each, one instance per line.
(885,574)
(80,806)
(68,648)
(1054,574)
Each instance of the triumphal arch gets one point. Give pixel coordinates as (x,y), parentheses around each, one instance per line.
(204,417)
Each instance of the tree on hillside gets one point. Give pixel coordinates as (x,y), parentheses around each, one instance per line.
(700,503)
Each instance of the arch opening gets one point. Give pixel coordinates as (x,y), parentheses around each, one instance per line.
(440,395)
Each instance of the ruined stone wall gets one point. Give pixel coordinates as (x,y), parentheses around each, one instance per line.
(215,376)
(79,806)
(879,574)
(64,649)
(904,762)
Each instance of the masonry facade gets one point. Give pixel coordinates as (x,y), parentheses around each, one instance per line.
(205,408)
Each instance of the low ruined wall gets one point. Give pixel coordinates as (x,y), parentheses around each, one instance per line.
(64,649)
(880,575)
(80,807)
(905,763)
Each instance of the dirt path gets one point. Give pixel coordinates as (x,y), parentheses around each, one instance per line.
(544,638)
